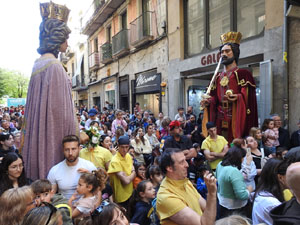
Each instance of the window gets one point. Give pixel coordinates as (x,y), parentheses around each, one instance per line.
(96,45)
(108,34)
(206,20)
(250,17)
(195,26)
(124,20)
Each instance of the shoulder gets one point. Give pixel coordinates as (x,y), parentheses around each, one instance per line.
(86,164)
(58,166)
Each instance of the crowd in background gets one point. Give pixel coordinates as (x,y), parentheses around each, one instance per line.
(251,171)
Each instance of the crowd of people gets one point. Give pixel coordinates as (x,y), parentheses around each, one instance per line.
(145,169)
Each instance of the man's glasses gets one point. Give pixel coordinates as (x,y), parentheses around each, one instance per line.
(52,208)
(99,209)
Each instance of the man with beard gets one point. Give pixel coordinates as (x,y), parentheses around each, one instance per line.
(189,112)
(232,106)
(176,140)
(65,175)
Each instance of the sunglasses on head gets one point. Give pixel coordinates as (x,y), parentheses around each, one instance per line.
(99,209)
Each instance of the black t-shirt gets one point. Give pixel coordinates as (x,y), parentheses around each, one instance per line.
(183,144)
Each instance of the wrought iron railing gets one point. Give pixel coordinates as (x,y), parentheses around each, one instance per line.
(106,52)
(141,27)
(94,60)
(120,42)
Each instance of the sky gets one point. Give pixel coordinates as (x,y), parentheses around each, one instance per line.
(19,31)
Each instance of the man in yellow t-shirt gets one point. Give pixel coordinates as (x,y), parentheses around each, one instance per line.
(178,201)
(121,173)
(98,155)
(214,146)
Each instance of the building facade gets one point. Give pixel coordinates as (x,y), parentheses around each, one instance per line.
(127,54)
(194,29)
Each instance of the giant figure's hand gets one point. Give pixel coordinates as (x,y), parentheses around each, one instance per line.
(204,102)
(232,97)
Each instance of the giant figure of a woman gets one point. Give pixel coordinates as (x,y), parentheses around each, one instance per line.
(49,112)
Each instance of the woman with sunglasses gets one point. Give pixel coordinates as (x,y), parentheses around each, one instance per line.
(108,214)
(12,173)
(43,215)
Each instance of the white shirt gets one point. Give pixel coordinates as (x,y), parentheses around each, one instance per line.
(264,202)
(88,122)
(67,177)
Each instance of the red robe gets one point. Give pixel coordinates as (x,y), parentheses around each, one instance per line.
(234,119)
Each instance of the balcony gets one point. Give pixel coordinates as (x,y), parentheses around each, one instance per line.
(106,53)
(97,14)
(94,61)
(120,45)
(142,29)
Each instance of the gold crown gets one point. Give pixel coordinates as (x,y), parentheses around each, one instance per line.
(50,10)
(231,37)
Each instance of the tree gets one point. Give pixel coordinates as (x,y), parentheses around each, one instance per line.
(13,84)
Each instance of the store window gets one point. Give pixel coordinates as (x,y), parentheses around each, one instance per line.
(194,97)
(149,102)
(110,95)
(206,20)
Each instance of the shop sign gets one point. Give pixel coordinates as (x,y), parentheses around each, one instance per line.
(210,59)
(148,83)
(110,86)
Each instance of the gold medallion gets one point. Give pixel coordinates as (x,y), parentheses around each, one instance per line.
(224,81)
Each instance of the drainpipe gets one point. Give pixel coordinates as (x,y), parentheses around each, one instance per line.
(285,67)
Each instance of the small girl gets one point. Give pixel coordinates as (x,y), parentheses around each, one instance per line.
(140,204)
(271,135)
(256,133)
(89,186)
(140,171)
(155,175)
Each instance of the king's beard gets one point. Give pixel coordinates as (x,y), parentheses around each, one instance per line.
(227,61)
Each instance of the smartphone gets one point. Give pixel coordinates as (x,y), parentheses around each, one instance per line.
(248,151)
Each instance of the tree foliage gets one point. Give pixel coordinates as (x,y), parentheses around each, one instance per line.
(13,84)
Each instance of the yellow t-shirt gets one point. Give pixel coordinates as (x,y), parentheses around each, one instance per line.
(214,146)
(175,195)
(119,163)
(99,156)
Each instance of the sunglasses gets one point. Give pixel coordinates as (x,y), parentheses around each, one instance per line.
(52,208)
(99,209)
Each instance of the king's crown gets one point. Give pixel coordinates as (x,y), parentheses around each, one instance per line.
(231,37)
(50,10)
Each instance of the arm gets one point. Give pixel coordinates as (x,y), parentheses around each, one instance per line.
(190,153)
(124,178)
(54,188)
(221,154)
(209,156)
(209,215)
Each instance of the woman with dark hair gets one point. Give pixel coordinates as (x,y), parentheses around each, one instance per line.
(232,194)
(6,144)
(269,192)
(12,172)
(109,213)
(49,106)
(142,147)
(105,142)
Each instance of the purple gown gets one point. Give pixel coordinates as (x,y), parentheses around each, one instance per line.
(49,116)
